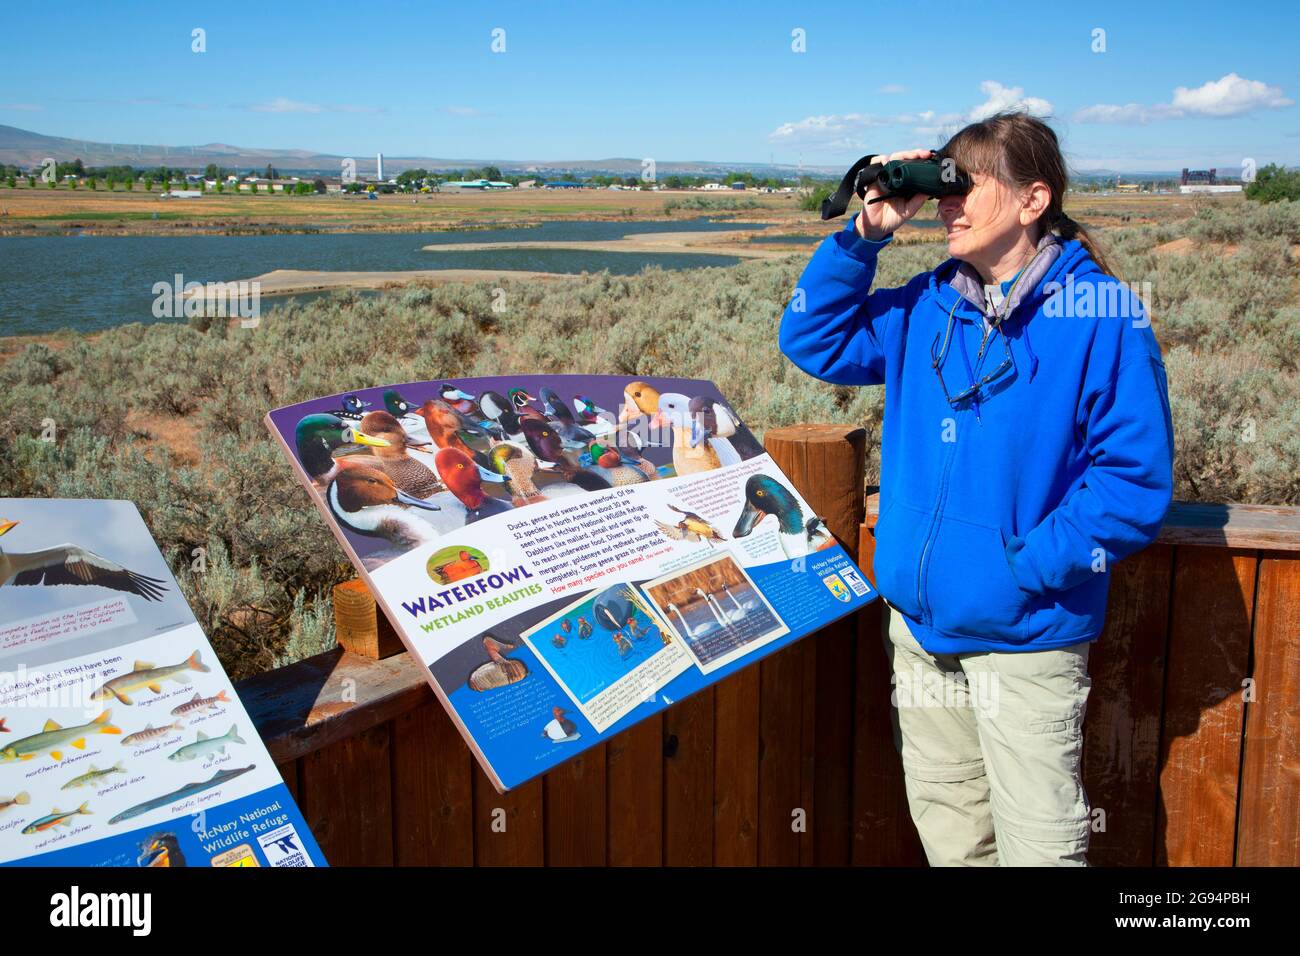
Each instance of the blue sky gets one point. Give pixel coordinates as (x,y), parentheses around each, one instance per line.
(1198,84)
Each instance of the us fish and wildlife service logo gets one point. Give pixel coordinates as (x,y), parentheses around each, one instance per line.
(837,588)
(283,847)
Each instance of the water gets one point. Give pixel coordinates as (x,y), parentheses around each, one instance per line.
(807,240)
(87,283)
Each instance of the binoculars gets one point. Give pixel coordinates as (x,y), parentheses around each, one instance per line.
(902,178)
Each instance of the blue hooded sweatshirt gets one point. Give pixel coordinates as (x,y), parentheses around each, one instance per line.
(1001,515)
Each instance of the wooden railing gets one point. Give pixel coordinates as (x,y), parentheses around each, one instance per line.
(1192,737)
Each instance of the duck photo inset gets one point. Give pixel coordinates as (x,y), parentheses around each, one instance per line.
(716,611)
(609,651)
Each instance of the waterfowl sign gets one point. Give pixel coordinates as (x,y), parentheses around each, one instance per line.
(122,741)
(567,554)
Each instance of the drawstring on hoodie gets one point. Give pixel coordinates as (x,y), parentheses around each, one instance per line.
(1029,349)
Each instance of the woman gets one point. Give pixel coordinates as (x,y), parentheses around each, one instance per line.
(1026,446)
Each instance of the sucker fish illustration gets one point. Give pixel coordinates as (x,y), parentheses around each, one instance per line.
(180,793)
(20,800)
(197,704)
(150,732)
(54,819)
(92,775)
(205,745)
(146,676)
(53,737)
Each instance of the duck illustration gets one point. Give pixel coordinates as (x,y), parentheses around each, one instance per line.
(72,564)
(572,433)
(461,476)
(354,407)
(638,633)
(412,476)
(499,669)
(561,729)
(608,463)
(584,628)
(691,527)
(547,446)
(447,429)
(462,402)
(319,436)
(520,466)
(565,625)
(592,417)
(690,456)
(520,399)
(559,640)
(501,411)
(715,421)
(639,398)
(622,643)
(404,412)
(366,501)
(465,566)
(766,496)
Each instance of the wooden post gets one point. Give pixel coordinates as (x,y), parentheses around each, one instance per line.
(807,700)
(359,626)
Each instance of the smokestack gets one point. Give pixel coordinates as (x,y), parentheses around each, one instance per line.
(379,163)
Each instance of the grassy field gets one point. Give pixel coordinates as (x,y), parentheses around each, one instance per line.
(36,211)
(26,211)
(170,415)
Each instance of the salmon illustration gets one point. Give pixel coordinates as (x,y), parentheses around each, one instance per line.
(150,732)
(54,819)
(205,745)
(3,728)
(93,774)
(197,704)
(53,738)
(146,676)
(21,800)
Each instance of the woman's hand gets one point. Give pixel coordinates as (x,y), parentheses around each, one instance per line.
(878,220)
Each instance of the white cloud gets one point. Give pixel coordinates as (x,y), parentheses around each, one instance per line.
(1002,98)
(283,105)
(462,111)
(1231,95)
(844,130)
(893,88)
(22,107)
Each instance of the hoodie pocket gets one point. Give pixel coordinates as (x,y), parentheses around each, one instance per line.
(969,586)
(900,533)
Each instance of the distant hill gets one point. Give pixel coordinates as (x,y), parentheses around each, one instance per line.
(20,147)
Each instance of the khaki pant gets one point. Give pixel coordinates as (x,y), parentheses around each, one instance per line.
(991,746)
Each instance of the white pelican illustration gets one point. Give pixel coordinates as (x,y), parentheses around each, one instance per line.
(72,564)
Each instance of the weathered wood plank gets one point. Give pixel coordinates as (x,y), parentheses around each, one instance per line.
(1201,745)
(634,773)
(781,791)
(575,811)
(1268,831)
(735,731)
(433,794)
(508,827)
(330,697)
(1122,725)
(688,781)
(883,832)
(825,463)
(347,799)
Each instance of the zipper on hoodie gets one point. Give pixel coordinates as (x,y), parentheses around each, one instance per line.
(935,520)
